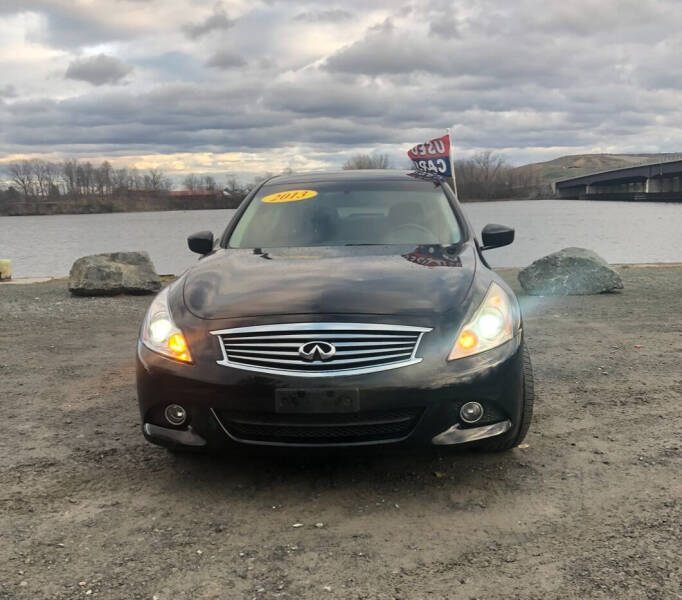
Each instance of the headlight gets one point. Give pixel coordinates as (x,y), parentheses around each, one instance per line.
(492,325)
(160,334)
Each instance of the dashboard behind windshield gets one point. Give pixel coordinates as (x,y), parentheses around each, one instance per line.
(347,213)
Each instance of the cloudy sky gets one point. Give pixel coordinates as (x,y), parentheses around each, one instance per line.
(247,86)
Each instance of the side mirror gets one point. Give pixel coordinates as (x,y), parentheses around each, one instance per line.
(201,242)
(495,236)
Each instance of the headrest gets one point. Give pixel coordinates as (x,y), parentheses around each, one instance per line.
(406,212)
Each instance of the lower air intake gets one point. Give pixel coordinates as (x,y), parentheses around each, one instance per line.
(328,429)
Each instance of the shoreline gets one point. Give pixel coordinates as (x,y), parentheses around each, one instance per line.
(132,203)
(167,276)
(152,203)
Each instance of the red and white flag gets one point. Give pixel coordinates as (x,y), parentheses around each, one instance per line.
(433,156)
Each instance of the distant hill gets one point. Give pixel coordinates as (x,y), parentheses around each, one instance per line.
(487,177)
(544,173)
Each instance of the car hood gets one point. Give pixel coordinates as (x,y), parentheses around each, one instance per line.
(386,280)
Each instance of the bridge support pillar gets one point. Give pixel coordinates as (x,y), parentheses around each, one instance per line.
(653,185)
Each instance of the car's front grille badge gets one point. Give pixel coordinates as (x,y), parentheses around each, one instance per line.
(320,349)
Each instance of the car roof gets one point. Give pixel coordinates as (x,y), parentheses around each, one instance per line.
(374,175)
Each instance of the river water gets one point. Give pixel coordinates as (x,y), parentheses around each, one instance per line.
(621,232)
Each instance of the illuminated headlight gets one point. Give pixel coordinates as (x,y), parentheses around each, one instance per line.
(159,332)
(493,324)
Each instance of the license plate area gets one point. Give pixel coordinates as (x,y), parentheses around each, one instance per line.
(317,401)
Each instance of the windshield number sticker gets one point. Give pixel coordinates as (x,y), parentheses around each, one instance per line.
(290,196)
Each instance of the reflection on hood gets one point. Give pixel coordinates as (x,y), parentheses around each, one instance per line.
(432,256)
(342,280)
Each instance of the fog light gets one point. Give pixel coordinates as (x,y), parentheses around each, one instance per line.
(471,412)
(175,414)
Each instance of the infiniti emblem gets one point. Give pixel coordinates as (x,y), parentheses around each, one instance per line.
(316,351)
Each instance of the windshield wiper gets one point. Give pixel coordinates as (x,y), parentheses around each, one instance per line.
(452,248)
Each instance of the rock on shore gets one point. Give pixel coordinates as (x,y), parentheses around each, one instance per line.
(114,273)
(571,271)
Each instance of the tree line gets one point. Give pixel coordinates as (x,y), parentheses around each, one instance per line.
(37,179)
(484,176)
(488,176)
(367,161)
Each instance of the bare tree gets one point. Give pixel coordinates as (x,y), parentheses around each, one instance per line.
(234,190)
(41,176)
(136,180)
(53,180)
(69,169)
(487,176)
(103,178)
(191,182)
(367,161)
(85,178)
(36,178)
(156,181)
(21,174)
(208,183)
(195,183)
(121,181)
(489,168)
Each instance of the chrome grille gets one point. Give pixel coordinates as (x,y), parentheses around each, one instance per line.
(358,348)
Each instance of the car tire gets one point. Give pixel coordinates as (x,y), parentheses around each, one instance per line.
(515,436)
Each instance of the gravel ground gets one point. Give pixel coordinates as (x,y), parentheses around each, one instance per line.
(591,508)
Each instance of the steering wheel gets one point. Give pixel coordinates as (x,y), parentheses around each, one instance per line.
(418,228)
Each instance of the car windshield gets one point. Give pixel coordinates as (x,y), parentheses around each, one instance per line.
(347,213)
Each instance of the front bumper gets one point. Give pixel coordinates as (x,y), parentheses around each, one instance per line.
(416,405)
(451,436)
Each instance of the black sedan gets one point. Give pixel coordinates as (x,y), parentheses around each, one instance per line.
(338,309)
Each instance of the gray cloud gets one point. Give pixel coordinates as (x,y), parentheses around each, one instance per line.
(523,78)
(225,59)
(98,70)
(482,61)
(70,24)
(8,91)
(445,26)
(337,118)
(216,21)
(317,16)
(383,50)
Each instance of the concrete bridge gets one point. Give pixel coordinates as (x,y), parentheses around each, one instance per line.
(660,182)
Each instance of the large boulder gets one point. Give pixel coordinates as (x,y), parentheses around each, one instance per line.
(115,273)
(571,271)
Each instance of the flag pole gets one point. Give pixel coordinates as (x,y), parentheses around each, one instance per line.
(452,164)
